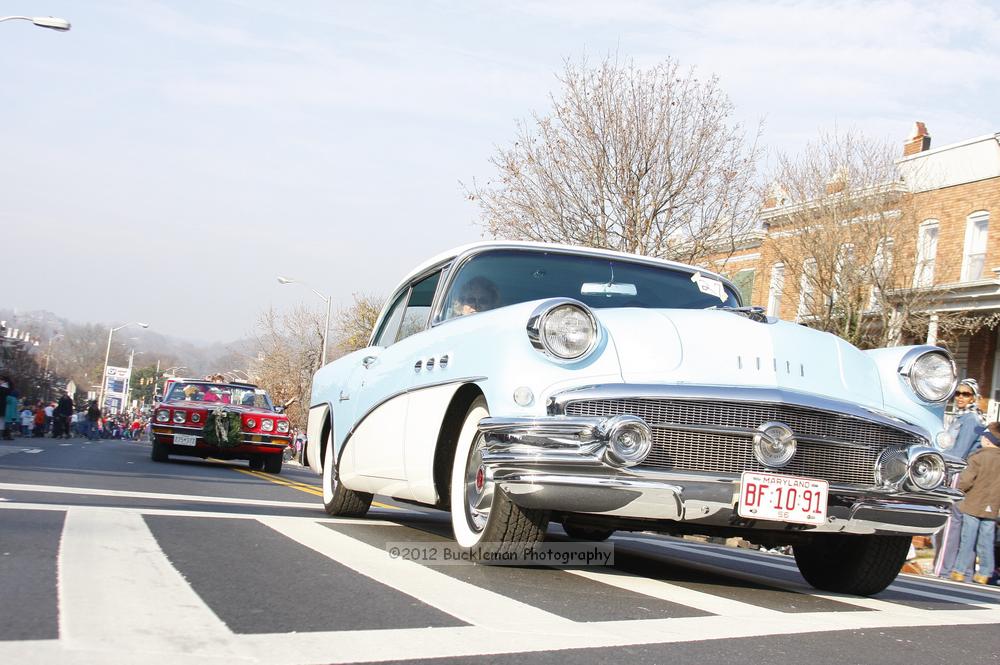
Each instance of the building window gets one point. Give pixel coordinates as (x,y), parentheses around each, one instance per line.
(927,239)
(881,272)
(844,272)
(976,227)
(744,282)
(807,290)
(774,291)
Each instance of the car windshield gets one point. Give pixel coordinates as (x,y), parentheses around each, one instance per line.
(220,393)
(505,277)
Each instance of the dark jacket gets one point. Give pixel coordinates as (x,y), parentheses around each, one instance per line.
(93,413)
(65,406)
(981,483)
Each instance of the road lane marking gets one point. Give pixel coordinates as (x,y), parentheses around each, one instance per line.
(169,512)
(460,599)
(117,588)
(791,586)
(302,487)
(87,491)
(674,593)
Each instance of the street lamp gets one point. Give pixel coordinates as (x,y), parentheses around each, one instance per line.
(50,22)
(107,355)
(327,299)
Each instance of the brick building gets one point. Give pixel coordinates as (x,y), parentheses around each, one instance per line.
(951,237)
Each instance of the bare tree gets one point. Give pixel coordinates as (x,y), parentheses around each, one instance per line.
(354,324)
(647,161)
(288,354)
(843,225)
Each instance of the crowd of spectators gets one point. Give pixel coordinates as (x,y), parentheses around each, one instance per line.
(62,418)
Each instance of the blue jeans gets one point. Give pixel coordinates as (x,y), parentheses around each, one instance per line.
(977,539)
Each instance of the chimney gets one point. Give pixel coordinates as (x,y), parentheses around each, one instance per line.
(918,142)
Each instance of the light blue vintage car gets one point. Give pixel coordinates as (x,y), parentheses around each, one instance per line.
(520,383)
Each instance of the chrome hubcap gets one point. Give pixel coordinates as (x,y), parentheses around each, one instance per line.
(478,488)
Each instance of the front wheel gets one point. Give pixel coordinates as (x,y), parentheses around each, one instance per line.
(593,534)
(159,453)
(337,499)
(483,517)
(859,565)
(272,463)
(256,463)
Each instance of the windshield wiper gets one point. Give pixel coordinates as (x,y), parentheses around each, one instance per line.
(754,313)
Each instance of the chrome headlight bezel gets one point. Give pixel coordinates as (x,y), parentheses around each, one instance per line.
(266,425)
(910,369)
(163,415)
(179,417)
(538,335)
(282,427)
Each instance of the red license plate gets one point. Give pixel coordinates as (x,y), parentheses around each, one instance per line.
(768,496)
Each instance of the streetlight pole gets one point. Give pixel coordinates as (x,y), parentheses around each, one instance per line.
(50,22)
(327,299)
(107,356)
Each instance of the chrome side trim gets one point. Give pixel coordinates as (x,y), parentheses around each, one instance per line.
(557,403)
(399,393)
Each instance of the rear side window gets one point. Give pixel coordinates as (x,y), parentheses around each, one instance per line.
(418,308)
(387,333)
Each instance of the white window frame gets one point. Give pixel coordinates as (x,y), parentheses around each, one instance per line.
(881,268)
(774,290)
(807,291)
(973,257)
(923,274)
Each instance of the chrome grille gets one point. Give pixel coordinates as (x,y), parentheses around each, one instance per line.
(732,453)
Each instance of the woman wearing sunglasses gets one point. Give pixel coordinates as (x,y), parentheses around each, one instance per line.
(966,428)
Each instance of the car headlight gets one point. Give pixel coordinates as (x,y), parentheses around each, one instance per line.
(282,426)
(266,425)
(163,416)
(564,329)
(927,470)
(196,417)
(930,372)
(179,417)
(251,423)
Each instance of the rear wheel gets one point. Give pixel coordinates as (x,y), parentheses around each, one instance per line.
(337,499)
(860,565)
(483,516)
(272,463)
(159,452)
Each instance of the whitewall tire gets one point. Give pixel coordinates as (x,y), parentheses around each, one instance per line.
(482,515)
(337,499)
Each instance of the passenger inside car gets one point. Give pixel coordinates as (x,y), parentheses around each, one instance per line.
(477,295)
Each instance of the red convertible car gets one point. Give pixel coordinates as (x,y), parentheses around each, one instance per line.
(222,420)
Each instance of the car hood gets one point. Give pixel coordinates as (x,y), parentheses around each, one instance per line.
(211,406)
(723,348)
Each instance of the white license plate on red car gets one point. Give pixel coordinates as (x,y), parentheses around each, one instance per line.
(768,496)
(185,439)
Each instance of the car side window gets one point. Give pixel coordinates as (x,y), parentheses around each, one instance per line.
(387,333)
(418,308)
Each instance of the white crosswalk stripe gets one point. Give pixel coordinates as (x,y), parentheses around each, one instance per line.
(116,585)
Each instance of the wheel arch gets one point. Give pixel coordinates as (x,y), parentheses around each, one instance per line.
(444,451)
(318,428)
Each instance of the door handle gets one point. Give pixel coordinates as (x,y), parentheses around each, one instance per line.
(368,361)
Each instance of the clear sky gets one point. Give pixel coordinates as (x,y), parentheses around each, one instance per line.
(164,161)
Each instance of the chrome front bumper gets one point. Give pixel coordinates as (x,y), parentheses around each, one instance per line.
(559,463)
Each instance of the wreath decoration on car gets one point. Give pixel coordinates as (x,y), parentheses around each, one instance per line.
(223,428)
